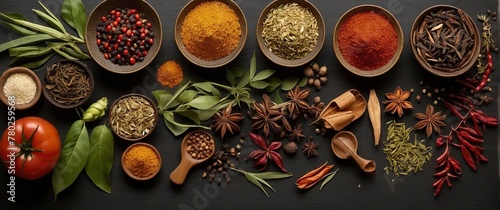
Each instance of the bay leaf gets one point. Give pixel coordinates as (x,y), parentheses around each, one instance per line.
(203,102)
(73,12)
(289,83)
(100,161)
(262,75)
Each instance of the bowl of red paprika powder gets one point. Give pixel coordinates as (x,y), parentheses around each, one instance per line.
(368,40)
(123,36)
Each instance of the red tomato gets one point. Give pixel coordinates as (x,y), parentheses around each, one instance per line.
(30,147)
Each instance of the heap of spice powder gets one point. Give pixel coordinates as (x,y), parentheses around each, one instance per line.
(169,74)
(21,86)
(367,40)
(142,161)
(290,31)
(211,31)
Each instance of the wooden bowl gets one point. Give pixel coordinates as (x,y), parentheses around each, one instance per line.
(469,58)
(205,63)
(155,111)
(104,8)
(397,28)
(19,70)
(129,173)
(49,97)
(285,62)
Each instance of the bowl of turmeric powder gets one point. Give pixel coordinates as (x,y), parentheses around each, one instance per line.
(210,33)
(141,161)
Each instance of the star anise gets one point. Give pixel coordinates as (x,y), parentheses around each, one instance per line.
(265,117)
(430,120)
(296,103)
(310,148)
(225,120)
(297,134)
(397,101)
(266,152)
(316,107)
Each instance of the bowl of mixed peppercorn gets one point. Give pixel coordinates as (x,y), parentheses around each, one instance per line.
(368,40)
(123,36)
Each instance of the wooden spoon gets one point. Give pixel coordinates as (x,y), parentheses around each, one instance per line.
(187,161)
(345,145)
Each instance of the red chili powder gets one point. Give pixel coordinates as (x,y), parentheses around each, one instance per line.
(367,40)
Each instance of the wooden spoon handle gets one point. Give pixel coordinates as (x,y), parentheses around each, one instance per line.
(179,174)
(364,164)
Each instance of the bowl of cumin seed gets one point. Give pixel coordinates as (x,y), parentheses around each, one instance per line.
(445,40)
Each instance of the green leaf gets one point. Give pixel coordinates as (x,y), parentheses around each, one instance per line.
(264,74)
(272,175)
(253,66)
(73,12)
(303,82)
(100,160)
(18,29)
(265,183)
(277,98)
(71,51)
(238,72)
(253,180)
(53,17)
(230,77)
(74,155)
(187,96)
(207,87)
(37,27)
(259,84)
(16,51)
(203,102)
(16,16)
(289,83)
(158,93)
(273,84)
(176,130)
(34,53)
(32,63)
(176,94)
(244,80)
(50,20)
(30,39)
(329,177)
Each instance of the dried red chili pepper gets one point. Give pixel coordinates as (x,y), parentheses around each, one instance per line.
(311,178)
(486,73)
(267,152)
(469,137)
(467,157)
(465,83)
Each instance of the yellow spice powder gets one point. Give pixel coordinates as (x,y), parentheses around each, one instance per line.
(211,30)
(169,74)
(142,161)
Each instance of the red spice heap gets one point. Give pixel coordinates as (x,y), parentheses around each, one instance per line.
(367,40)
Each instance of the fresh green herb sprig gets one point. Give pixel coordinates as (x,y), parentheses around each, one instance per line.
(258,178)
(27,50)
(198,100)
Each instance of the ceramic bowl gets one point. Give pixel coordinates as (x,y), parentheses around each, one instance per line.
(129,173)
(469,58)
(49,96)
(394,22)
(285,62)
(19,70)
(111,116)
(205,63)
(104,8)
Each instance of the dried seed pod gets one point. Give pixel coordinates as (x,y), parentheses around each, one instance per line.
(322,71)
(323,80)
(317,84)
(308,72)
(315,67)
(375,115)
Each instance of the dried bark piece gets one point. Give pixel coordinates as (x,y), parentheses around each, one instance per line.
(374,112)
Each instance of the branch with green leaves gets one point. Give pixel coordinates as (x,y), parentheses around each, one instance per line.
(259,179)
(197,100)
(28,50)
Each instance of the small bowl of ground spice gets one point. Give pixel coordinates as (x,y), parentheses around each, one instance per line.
(123,36)
(211,33)
(458,46)
(290,32)
(20,88)
(368,40)
(68,84)
(133,117)
(141,161)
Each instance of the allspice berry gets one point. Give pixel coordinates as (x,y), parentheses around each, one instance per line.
(290,147)
(322,71)
(308,72)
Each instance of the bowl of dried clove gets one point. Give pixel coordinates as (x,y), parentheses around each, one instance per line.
(133,117)
(445,40)
(290,32)
(68,84)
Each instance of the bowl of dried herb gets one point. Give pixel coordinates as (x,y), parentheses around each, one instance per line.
(133,117)
(368,40)
(68,83)
(210,33)
(123,36)
(445,40)
(20,88)
(290,32)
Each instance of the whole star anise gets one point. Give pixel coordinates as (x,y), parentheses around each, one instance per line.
(310,148)
(265,153)
(397,101)
(225,120)
(265,117)
(430,120)
(297,134)
(296,101)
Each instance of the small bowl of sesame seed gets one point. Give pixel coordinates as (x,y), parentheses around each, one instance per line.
(20,88)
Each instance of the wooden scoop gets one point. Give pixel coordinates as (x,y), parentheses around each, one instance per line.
(187,161)
(345,145)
